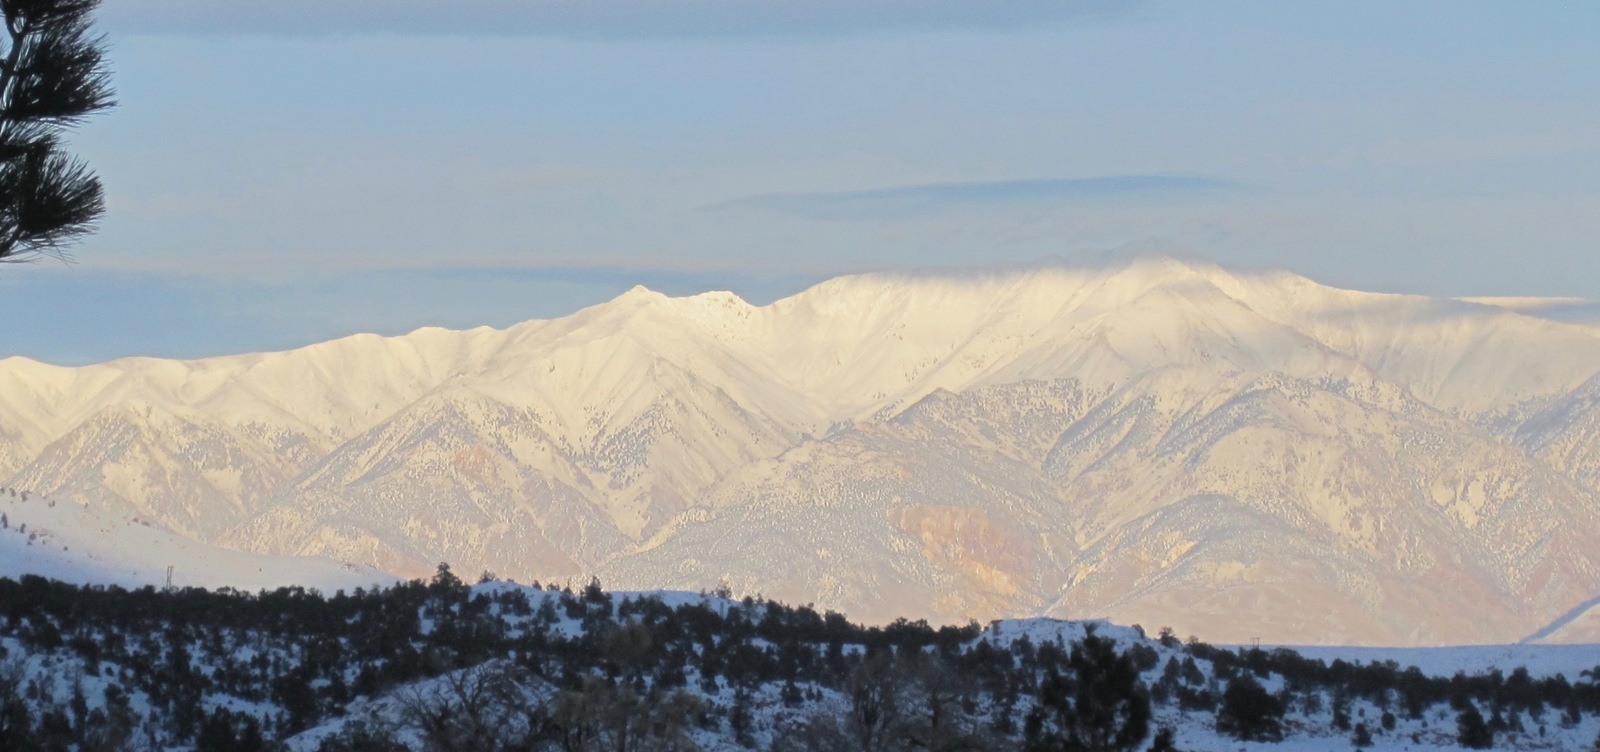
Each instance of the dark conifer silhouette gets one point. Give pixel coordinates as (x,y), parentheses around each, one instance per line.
(16,720)
(1362,738)
(1100,707)
(1471,730)
(1249,712)
(1163,741)
(52,76)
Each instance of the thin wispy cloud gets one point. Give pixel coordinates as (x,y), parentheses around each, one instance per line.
(899,201)
(588,18)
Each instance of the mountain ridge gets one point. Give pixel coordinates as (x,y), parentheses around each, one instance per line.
(996,439)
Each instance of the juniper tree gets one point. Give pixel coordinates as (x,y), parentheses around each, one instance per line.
(1471,731)
(16,720)
(1362,738)
(1249,712)
(52,76)
(1101,706)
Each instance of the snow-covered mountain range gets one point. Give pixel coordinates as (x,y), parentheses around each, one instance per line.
(1233,454)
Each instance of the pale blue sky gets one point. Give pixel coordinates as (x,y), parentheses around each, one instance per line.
(284,172)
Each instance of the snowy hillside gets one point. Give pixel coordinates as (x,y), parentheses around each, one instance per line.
(77,543)
(1160,442)
(500,666)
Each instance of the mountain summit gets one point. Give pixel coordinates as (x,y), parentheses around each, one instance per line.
(1167,442)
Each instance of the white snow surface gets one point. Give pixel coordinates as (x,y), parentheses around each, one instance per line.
(72,542)
(1234,454)
(1541,661)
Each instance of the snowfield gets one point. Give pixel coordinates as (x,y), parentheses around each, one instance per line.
(82,544)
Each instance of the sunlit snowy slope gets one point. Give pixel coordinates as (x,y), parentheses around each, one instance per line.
(71,542)
(1236,455)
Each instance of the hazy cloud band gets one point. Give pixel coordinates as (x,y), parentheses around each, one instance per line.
(917,199)
(585,18)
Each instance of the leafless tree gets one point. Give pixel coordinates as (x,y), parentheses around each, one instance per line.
(485,708)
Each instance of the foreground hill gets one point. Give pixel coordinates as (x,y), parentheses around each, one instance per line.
(501,667)
(1238,455)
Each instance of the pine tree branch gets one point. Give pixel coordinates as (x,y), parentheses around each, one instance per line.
(8,77)
(52,77)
